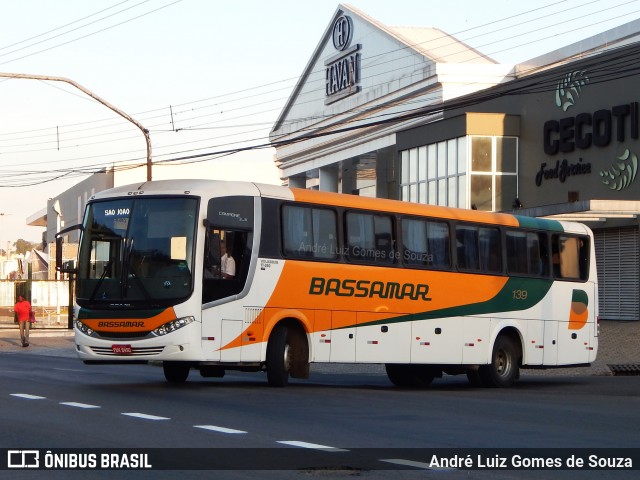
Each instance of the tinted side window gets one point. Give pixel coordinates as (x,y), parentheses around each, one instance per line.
(527,253)
(570,257)
(467,247)
(370,238)
(479,248)
(490,249)
(425,243)
(309,232)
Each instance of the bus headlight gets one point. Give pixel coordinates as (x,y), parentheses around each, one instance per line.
(173,325)
(85,329)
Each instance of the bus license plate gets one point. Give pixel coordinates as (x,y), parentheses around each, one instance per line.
(121,349)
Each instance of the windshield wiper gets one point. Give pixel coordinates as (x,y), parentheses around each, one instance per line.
(107,267)
(127,271)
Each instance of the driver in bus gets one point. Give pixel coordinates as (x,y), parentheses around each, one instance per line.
(226,268)
(227,263)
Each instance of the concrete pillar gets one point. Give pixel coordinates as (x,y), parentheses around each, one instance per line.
(329,178)
(298,181)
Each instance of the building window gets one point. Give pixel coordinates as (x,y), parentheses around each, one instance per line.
(446,173)
(435,174)
(494,173)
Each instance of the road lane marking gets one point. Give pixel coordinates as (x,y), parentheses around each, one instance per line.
(315,446)
(145,416)
(79,405)
(27,396)
(413,463)
(219,429)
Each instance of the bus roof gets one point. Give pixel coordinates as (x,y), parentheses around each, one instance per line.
(206,188)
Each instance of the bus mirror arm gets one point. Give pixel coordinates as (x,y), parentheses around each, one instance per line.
(62,266)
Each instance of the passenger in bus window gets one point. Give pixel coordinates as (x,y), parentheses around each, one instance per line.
(227,263)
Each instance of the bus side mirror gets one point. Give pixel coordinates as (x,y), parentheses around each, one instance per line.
(62,266)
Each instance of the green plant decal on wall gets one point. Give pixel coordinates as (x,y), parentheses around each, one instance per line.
(622,173)
(569,88)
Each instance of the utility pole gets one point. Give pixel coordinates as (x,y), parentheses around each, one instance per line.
(6,253)
(145,132)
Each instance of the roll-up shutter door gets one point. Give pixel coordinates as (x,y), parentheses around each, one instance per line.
(618,261)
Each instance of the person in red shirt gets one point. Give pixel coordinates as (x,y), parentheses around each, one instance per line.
(23,311)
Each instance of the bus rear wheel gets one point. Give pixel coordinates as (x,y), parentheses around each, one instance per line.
(503,369)
(410,376)
(175,372)
(279,357)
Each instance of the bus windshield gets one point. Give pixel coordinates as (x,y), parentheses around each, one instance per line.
(137,251)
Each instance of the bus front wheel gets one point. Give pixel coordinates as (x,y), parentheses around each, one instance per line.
(503,369)
(175,372)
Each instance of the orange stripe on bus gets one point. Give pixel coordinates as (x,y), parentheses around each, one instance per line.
(407,208)
(148,324)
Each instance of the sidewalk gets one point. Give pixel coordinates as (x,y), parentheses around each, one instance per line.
(56,342)
(619,345)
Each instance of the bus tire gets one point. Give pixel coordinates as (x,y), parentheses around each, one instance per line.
(176,372)
(475,380)
(278,357)
(503,369)
(410,376)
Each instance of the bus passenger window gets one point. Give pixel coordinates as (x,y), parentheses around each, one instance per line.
(538,251)
(467,247)
(309,232)
(527,253)
(570,256)
(490,250)
(516,248)
(425,243)
(370,238)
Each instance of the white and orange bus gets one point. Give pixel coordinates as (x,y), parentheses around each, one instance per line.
(218,276)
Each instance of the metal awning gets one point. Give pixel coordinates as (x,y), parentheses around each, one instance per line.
(595,213)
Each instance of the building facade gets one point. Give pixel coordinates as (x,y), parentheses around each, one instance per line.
(413,114)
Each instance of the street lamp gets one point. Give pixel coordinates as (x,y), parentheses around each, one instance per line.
(145,132)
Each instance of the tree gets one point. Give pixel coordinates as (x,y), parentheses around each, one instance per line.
(24,246)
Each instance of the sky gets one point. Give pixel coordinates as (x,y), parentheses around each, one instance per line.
(204,76)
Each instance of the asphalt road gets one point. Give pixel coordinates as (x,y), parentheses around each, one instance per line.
(336,424)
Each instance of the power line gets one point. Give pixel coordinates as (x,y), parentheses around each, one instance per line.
(200,126)
(92,33)
(297,120)
(386,53)
(626,61)
(64,26)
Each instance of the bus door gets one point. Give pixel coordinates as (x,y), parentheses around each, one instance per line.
(227,246)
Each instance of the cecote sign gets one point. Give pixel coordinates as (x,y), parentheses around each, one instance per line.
(586,130)
(342,71)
